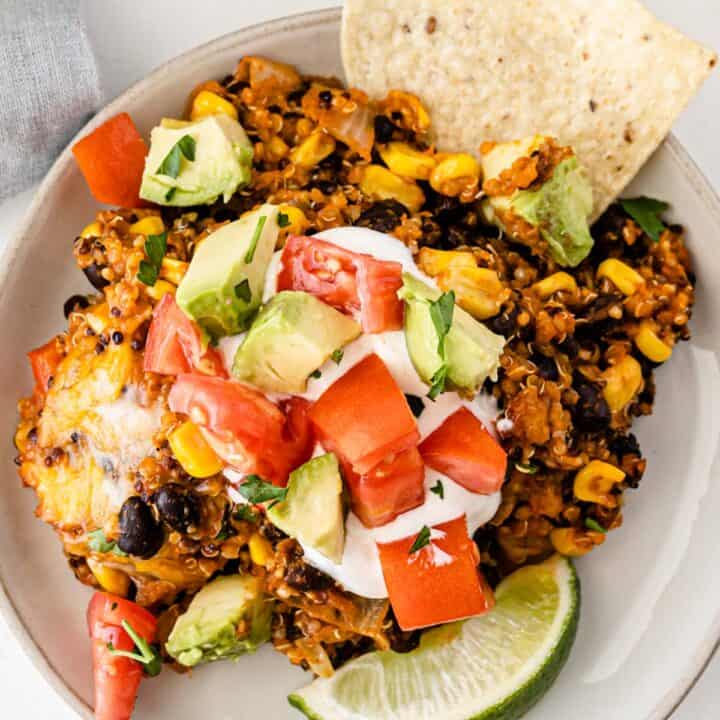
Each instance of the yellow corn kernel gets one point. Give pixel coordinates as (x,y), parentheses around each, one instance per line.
(455,173)
(314,149)
(298,222)
(160,289)
(405,160)
(150,225)
(650,345)
(94,229)
(173,124)
(193,452)
(595,481)
(623,381)
(113,581)
(479,291)
(379,183)
(625,279)
(173,270)
(554,283)
(210,103)
(261,551)
(434,262)
(573,542)
(276,149)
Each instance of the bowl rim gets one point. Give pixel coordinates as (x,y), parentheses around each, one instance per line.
(667,704)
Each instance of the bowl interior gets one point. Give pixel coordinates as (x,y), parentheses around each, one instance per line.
(650,595)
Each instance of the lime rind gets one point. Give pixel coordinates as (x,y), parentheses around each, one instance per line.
(494,667)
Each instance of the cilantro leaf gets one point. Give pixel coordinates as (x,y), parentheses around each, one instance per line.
(337,356)
(283,220)
(256,490)
(438,381)
(592,524)
(146,655)
(316,374)
(242,291)
(416,404)
(170,166)
(441,313)
(439,489)
(645,212)
(250,254)
(421,541)
(147,273)
(156,247)
(246,513)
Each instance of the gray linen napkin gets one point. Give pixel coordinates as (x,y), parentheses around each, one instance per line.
(49,86)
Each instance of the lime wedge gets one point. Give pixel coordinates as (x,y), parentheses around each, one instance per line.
(494,667)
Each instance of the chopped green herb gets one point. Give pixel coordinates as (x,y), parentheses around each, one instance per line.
(645,212)
(416,404)
(223,534)
(146,655)
(422,540)
(283,220)
(438,381)
(250,254)
(441,313)
(246,513)
(439,489)
(256,490)
(170,166)
(97,542)
(591,524)
(337,356)
(170,194)
(527,468)
(243,291)
(316,374)
(156,247)
(147,273)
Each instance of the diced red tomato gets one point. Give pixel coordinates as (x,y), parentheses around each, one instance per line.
(466,452)
(245,429)
(363,417)
(354,283)
(112,159)
(44,362)
(393,487)
(439,583)
(174,344)
(117,679)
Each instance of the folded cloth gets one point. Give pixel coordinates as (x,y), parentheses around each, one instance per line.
(48,83)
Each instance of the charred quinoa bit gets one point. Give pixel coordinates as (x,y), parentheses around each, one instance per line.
(570,357)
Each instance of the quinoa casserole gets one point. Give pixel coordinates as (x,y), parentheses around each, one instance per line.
(142,500)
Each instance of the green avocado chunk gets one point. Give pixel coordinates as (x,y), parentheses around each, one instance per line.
(560,208)
(312,511)
(209,628)
(291,337)
(220,162)
(472,352)
(223,287)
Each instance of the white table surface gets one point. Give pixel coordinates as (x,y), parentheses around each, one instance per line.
(131,37)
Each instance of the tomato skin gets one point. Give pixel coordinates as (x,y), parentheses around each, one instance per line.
(354,283)
(244,428)
(464,450)
(112,159)
(363,417)
(389,489)
(117,679)
(438,584)
(174,344)
(44,362)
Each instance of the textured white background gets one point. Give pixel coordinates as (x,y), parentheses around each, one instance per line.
(131,37)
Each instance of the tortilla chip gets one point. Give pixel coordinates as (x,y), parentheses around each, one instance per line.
(604,76)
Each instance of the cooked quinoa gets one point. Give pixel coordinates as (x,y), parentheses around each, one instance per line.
(572,378)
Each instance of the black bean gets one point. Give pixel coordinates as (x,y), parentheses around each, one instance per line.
(178,507)
(140,534)
(325,97)
(591,413)
(547,368)
(271,533)
(305,577)
(384,129)
(624,445)
(571,347)
(73,303)
(117,337)
(503,324)
(274,108)
(325,186)
(383,216)
(32,435)
(100,348)
(93,274)
(115,312)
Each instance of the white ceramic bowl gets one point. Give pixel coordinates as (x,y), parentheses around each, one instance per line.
(651,594)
